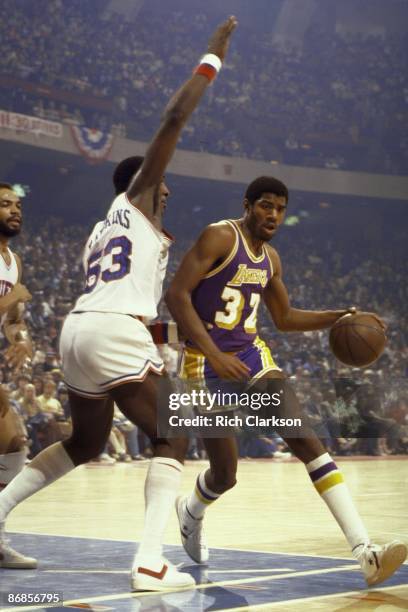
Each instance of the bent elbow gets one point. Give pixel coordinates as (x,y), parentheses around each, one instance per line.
(167,297)
(170,298)
(282,325)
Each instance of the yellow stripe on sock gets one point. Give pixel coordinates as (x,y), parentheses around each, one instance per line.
(203,499)
(329,481)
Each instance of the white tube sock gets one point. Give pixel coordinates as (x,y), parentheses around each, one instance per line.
(200,499)
(52,463)
(161,487)
(10,465)
(329,483)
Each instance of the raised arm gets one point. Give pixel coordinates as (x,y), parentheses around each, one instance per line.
(213,246)
(176,114)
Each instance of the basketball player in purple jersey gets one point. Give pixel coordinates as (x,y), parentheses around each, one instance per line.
(13,295)
(214,298)
(107,352)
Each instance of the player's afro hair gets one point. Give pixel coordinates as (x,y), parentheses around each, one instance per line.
(266,184)
(125,171)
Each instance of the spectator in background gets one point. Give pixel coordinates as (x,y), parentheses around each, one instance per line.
(48,402)
(29,404)
(349,111)
(18,393)
(34,420)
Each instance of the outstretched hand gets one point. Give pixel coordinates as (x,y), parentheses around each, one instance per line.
(219,41)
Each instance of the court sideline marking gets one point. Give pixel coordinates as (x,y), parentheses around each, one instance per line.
(264,552)
(311,599)
(207,585)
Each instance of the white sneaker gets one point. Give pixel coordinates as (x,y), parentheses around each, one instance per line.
(281,455)
(380,562)
(193,541)
(105,458)
(159,575)
(10,558)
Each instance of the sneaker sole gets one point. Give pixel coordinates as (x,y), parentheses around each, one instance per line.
(390,562)
(169,589)
(148,585)
(22,566)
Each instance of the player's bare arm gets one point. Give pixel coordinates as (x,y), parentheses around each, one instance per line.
(14,327)
(212,247)
(287,318)
(17,295)
(182,104)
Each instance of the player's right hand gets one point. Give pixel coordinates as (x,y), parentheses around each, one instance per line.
(219,41)
(228,367)
(21,293)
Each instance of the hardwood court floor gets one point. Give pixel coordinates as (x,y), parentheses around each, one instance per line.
(273,509)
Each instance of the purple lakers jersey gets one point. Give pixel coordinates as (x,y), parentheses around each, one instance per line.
(227,298)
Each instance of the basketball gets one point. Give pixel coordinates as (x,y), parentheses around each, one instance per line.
(357,339)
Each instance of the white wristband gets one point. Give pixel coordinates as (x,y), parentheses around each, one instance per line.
(212,60)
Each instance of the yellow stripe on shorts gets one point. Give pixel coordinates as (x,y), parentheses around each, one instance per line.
(266,355)
(192,364)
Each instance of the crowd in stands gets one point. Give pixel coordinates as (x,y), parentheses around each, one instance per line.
(335,101)
(355,411)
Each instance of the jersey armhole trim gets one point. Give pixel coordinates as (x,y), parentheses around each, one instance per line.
(230,257)
(12,260)
(156,232)
(270,260)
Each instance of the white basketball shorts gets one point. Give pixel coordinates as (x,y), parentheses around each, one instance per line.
(100,351)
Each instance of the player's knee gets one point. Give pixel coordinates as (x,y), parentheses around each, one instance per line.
(14,445)
(179,448)
(306,449)
(81,452)
(20,444)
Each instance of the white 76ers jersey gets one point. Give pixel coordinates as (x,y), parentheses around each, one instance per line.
(8,278)
(125,262)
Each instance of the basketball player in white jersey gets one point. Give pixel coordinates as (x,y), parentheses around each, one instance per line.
(107,352)
(13,294)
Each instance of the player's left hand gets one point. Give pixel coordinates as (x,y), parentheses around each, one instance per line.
(19,354)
